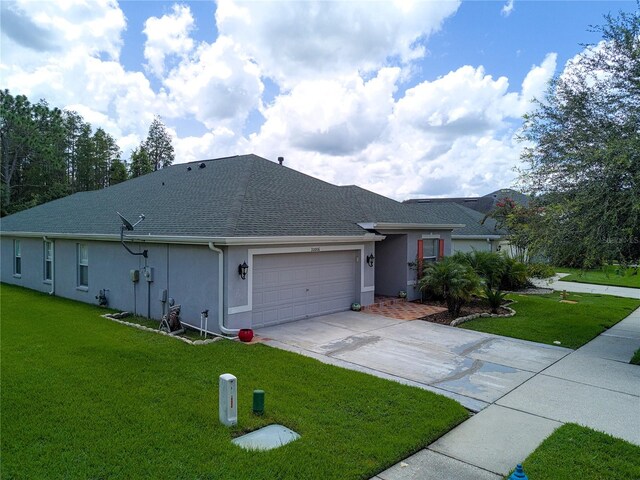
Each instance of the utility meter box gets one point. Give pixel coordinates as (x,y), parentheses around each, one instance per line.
(148,273)
(228,399)
(134,275)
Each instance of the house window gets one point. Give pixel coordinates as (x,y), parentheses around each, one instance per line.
(17,258)
(430,248)
(83,265)
(48,261)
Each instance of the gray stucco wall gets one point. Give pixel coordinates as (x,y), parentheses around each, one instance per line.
(393,256)
(460,245)
(391,260)
(188,273)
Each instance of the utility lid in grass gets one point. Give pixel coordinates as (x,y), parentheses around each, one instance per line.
(272,436)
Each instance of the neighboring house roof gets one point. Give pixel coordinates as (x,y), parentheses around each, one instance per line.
(475,223)
(483,204)
(241,196)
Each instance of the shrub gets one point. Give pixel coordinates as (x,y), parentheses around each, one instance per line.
(489,266)
(494,298)
(456,282)
(540,270)
(514,276)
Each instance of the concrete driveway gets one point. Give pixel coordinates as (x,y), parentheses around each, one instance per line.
(474,368)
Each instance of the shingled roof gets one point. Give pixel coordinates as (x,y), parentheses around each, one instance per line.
(484,204)
(241,196)
(475,223)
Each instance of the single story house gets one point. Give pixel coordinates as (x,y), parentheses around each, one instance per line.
(253,242)
(479,233)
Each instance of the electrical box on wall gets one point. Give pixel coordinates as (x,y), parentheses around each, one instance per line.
(134,275)
(162,296)
(148,274)
(228,403)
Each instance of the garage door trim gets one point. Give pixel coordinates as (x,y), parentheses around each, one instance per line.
(269,251)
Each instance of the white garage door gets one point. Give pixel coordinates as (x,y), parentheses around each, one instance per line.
(293,286)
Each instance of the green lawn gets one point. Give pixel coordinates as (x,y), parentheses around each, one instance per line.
(574,452)
(84,397)
(543,318)
(606,275)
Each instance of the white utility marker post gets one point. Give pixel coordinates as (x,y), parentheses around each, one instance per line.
(228,399)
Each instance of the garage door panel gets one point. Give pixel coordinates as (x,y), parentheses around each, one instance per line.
(289,287)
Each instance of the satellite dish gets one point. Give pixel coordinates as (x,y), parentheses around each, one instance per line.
(125,223)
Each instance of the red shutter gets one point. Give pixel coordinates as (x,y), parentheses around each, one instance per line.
(420,256)
(440,248)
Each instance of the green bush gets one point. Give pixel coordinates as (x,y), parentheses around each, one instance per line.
(494,298)
(456,282)
(540,270)
(514,276)
(497,271)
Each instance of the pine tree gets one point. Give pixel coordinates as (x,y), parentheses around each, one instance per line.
(139,164)
(158,145)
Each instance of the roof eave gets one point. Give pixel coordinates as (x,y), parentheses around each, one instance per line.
(410,226)
(204,240)
(476,237)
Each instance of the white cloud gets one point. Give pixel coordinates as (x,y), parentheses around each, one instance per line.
(168,35)
(219,85)
(35,30)
(453,134)
(507,8)
(293,41)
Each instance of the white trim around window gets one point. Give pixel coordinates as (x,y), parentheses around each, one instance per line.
(17,258)
(82,266)
(47,266)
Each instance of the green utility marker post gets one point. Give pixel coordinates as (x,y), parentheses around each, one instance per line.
(258,402)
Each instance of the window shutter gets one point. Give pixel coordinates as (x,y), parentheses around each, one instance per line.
(440,248)
(420,256)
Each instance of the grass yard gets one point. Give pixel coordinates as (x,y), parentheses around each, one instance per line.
(84,397)
(606,275)
(573,452)
(544,319)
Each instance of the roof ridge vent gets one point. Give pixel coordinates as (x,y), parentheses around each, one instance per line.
(280,160)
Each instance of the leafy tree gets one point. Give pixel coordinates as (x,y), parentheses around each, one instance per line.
(584,162)
(456,282)
(158,145)
(139,164)
(117,172)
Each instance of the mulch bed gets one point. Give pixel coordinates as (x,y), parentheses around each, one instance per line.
(444,318)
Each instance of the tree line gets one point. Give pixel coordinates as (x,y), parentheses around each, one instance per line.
(47,153)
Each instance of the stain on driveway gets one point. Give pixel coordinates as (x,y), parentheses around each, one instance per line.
(473,368)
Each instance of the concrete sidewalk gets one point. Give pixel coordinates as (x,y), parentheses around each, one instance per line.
(556,283)
(594,386)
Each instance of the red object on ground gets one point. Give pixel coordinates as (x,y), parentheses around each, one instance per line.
(245,334)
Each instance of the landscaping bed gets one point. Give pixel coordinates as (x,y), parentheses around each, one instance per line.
(476,306)
(86,397)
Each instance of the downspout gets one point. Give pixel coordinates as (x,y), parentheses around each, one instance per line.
(53,265)
(223,329)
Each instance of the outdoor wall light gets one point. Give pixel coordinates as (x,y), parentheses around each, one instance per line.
(370,259)
(243,268)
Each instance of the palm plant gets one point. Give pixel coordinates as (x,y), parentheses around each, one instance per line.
(494,298)
(456,282)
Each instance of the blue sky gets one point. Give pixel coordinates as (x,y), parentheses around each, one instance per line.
(404,98)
